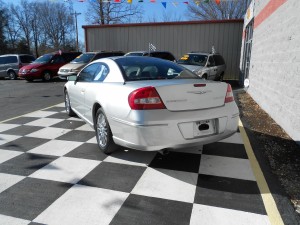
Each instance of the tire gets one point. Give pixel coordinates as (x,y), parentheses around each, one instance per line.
(221,78)
(47,76)
(12,75)
(204,77)
(103,133)
(68,107)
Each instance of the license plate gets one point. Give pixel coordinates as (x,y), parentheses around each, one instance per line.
(204,128)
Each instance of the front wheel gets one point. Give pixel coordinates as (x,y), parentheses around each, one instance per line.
(68,108)
(47,76)
(103,133)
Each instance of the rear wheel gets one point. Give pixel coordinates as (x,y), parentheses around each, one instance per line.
(204,76)
(221,78)
(103,133)
(68,108)
(46,76)
(12,75)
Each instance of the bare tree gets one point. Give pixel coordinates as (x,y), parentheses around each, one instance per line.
(210,10)
(106,12)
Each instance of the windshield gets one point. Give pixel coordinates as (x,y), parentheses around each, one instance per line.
(148,68)
(83,58)
(44,58)
(193,59)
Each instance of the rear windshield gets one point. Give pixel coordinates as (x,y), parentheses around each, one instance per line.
(44,58)
(148,68)
(83,58)
(193,59)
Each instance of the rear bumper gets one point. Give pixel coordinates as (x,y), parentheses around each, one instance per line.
(167,134)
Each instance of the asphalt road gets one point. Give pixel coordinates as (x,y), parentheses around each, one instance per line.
(18,97)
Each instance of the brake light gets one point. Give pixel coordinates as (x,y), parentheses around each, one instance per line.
(145,98)
(229,95)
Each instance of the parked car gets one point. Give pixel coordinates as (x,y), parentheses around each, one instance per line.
(11,63)
(79,62)
(156,54)
(210,66)
(150,104)
(46,66)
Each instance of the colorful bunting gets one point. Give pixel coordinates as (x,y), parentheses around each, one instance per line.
(129,1)
(152,1)
(218,2)
(164,4)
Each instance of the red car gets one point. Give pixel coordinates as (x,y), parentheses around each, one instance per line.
(46,66)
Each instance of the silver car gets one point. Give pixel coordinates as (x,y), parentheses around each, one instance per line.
(11,63)
(150,104)
(210,66)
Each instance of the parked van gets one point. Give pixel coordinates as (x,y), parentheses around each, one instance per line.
(79,62)
(47,66)
(11,63)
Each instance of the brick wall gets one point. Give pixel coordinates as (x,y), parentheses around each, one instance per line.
(275,62)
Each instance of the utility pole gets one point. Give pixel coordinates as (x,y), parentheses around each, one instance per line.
(76,14)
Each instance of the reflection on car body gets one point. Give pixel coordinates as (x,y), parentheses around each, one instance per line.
(150,104)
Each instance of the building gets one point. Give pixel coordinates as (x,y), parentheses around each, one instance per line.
(270,60)
(176,37)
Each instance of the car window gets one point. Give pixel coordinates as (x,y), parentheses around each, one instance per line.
(149,68)
(193,59)
(58,59)
(44,58)
(26,58)
(211,61)
(88,73)
(218,60)
(83,58)
(2,60)
(101,72)
(11,59)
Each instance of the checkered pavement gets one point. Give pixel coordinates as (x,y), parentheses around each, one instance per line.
(52,172)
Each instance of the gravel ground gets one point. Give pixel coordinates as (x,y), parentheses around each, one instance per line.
(281,152)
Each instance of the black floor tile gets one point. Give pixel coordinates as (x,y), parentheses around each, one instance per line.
(23,144)
(87,151)
(22,130)
(77,135)
(22,120)
(225,149)
(69,124)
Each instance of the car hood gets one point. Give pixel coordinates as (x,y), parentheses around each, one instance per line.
(32,66)
(73,66)
(192,67)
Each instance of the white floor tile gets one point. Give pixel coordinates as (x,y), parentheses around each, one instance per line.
(49,133)
(8,180)
(5,127)
(4,138)
(167,184)
(131,157)
(64,169)
(7,154)
(93,140)
(100,206)
(75,119)
(85,127)
(40,114)
(60,105)
(209,215)
(8,220)
(56,147)
(44,122)
(226,167)
(234,139)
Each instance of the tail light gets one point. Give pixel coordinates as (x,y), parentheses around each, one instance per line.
(145,98)
(229,95)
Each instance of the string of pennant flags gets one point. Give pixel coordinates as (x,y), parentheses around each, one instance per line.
(164,3)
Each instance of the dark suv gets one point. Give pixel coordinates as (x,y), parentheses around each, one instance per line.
(78,63)
(10,64)
(46,66)
(209,66)
(156,54)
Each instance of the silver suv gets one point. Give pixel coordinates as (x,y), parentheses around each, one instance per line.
(10,64)
(209,66)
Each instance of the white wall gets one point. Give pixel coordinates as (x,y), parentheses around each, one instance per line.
(275,65)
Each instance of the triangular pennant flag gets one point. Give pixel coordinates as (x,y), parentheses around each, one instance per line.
(175,4)
(117,1)
(206,1)
(218,2)
(129,1)
(186,3)
(164,4)
(152,1)
(197,3)
(140,0)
